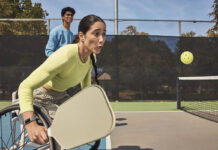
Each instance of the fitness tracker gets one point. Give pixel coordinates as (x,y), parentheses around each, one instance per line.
(31,119)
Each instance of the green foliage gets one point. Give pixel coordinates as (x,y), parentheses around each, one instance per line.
(188,34)
(22,9)
(131,30)
(214,14)
(211,33)
(150,60)
(139,65)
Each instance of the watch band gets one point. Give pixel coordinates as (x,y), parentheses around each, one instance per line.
(31,119)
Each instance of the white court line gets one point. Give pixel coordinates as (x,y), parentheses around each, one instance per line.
(108,142)
(145,111)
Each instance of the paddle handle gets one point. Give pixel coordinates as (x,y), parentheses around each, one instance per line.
(49,132)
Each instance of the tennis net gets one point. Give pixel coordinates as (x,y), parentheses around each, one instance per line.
(198,96)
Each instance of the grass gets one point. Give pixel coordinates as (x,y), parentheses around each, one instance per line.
(4,103)
(128,106)
(144,106)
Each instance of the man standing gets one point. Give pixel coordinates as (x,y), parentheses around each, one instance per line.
(61,35)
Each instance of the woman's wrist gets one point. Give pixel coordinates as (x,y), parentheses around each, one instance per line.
(29,120)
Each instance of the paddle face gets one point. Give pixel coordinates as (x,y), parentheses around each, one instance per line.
(84,118)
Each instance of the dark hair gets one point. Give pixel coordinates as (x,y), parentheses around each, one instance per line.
(84,26)
(87,22)
(64,10)
(95,68)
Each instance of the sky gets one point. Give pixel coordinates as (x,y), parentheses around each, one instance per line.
(138,9)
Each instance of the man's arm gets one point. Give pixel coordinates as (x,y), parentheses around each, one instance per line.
(52,43)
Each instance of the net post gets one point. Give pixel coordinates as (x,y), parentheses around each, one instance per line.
(178,93)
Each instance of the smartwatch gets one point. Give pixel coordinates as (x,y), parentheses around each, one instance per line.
(31,119)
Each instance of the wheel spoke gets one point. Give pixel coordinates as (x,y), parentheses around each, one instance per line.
(13,133)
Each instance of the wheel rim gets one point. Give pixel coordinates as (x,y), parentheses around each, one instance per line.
(13,134)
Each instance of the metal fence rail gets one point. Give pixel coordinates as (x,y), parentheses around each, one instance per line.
(49,20)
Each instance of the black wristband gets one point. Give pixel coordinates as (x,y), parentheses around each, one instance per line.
(31,119)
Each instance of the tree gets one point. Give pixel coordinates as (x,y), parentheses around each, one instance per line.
(188,34)
(211,33)
(22,9)
(139,66)
(131,30)
(214,14)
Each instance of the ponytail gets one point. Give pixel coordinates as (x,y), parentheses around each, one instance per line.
(95,68)
(76,39)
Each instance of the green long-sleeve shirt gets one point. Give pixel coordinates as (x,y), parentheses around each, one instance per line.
(62,70)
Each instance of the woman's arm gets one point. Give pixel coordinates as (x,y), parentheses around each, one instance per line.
(48,70)
(44,73)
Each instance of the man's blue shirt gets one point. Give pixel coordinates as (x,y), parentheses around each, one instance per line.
(58,37)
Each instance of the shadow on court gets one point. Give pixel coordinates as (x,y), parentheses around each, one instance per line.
(120,119)
(131,148)
(119,123)
(163,131)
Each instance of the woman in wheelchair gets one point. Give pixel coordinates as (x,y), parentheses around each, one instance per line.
(70,65)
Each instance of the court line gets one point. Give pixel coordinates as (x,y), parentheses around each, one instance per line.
(108,142)
(145,111)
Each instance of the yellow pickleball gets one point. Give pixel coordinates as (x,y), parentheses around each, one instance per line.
(186,57)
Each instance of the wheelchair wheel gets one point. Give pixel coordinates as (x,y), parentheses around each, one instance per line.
(13,135)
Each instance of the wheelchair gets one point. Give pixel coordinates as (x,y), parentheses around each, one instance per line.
(13,135)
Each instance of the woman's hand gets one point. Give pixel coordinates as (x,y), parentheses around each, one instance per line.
(36,133)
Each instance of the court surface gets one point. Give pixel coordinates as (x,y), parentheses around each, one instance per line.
(161,130)
(104,145)
(167,130)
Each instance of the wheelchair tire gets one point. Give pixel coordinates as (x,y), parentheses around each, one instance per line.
(13,134)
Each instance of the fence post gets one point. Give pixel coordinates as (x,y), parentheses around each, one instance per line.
(48,26)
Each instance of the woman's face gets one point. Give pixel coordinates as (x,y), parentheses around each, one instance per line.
(94,38)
